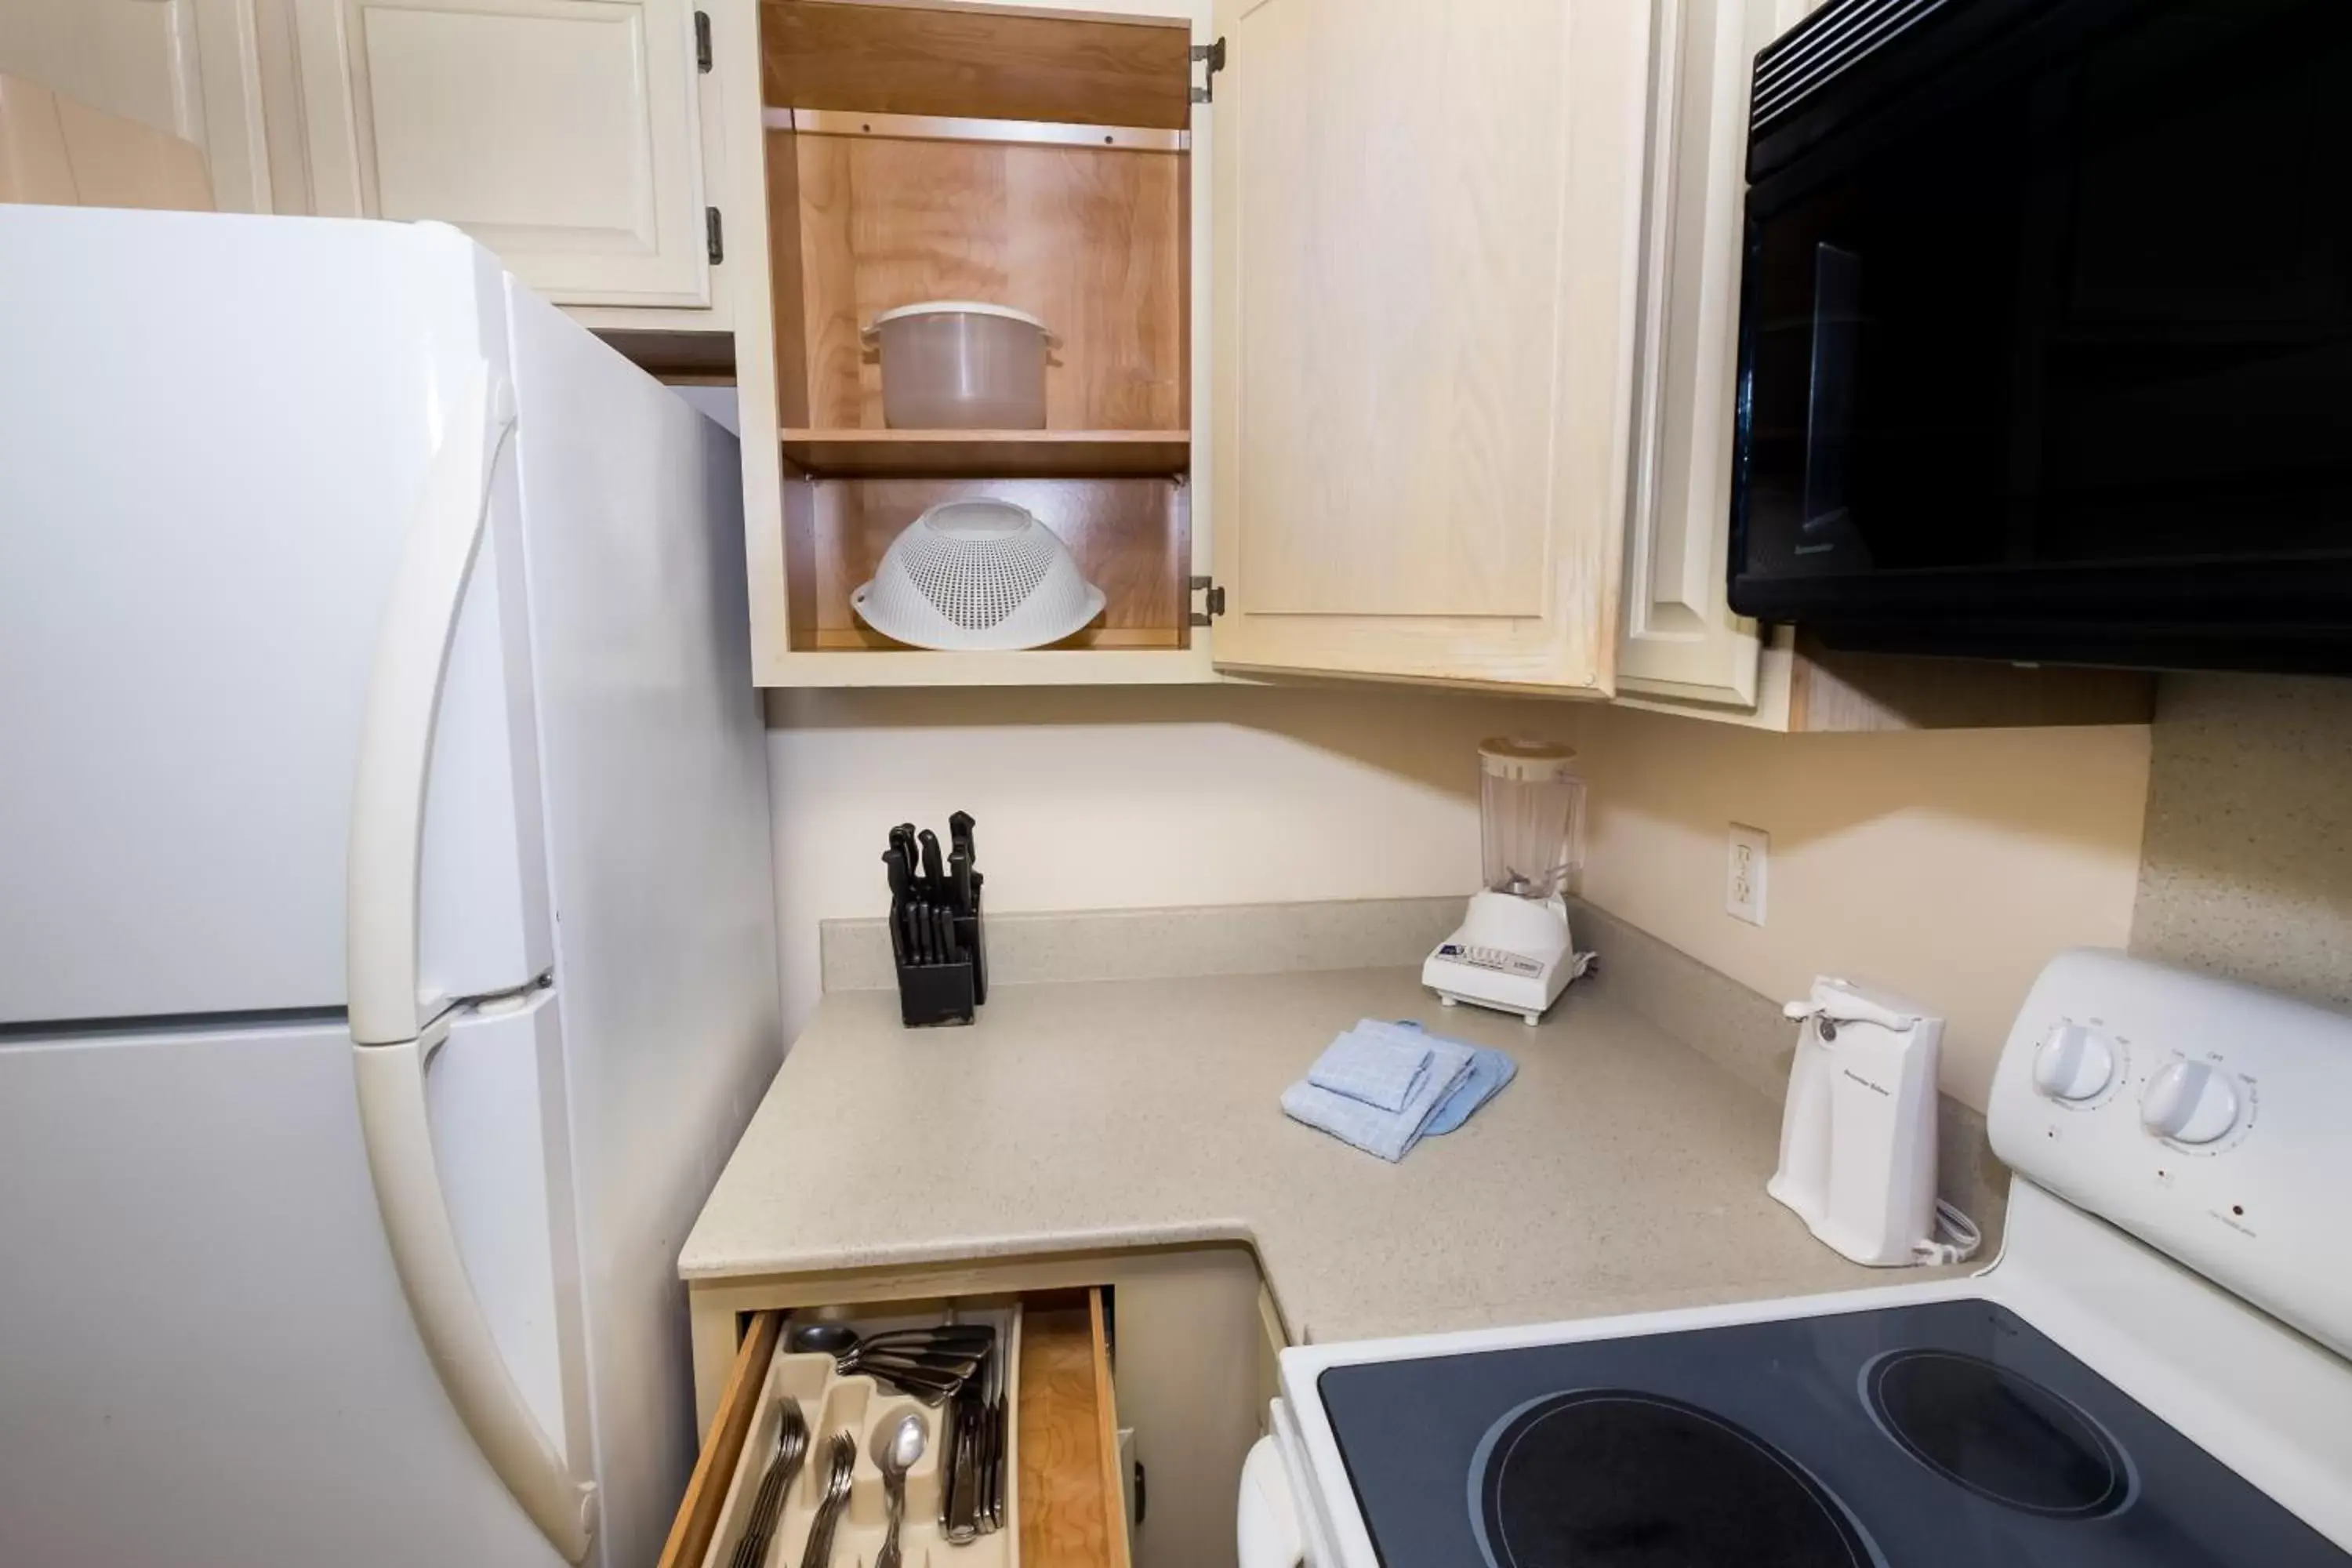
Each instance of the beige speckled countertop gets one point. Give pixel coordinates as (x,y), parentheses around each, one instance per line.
(1622,1169)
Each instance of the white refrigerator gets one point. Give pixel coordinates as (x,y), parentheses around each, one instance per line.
(387,952)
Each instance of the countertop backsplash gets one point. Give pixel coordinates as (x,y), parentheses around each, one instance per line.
(2246,870)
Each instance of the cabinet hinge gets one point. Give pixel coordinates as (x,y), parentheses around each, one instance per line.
(716,237)
(1212,605)
(1214,56)
(702,42)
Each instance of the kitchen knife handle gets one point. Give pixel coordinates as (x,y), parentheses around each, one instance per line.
(960,877)
(933,871)
(959,826)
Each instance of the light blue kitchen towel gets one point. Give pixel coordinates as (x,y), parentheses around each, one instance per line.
(1490,1069)
(1377,1063)
(1390,1134)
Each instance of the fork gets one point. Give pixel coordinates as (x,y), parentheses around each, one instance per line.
(791,1447)
(841,1459)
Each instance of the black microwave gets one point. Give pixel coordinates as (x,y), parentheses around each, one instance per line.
(2046,331)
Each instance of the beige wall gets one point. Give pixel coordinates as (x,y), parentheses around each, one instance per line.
(2249,865)
(1949,865)
(1129,799)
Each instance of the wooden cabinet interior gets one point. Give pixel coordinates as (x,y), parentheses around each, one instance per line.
(1130,537)
(988,64)
(1037,162)
(1087,239)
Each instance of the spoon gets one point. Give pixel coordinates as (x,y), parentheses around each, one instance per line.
(896,1449)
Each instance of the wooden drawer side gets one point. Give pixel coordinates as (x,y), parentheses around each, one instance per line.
(1072,1510)
(705,1491)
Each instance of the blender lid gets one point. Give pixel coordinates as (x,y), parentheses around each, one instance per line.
(1527,762)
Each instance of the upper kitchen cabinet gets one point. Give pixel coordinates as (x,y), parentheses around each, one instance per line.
(1679,638)
(1038,160)
(566,135)
(1426,252)
(187,68)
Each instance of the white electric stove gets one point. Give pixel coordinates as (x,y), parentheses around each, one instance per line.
(2156,1371)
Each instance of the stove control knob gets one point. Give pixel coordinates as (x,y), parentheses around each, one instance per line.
(2073,1063)
(2190,1102)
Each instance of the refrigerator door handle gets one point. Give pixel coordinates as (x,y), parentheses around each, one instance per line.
(391,1043)
(399,1136)
(403,702)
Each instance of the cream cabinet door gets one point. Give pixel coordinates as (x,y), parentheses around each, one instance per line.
(1680,638)
(561,133)
(188,68)
(1424,290)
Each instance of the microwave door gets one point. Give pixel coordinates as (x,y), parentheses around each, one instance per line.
(1827,538)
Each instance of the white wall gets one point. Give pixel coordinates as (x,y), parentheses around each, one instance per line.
(1949,864)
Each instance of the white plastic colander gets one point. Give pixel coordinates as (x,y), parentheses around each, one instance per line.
(978,575)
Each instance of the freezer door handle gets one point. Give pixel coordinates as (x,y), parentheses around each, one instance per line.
(390,1042)
(403,702)
(399,1138)
(1265,1517)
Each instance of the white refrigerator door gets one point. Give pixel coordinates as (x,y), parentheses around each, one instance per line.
(205,1356)
(218,432)
(654,753)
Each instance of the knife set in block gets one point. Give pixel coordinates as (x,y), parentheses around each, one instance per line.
(935,934)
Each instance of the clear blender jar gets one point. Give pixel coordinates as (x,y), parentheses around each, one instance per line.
(1530,817)
(1513,951)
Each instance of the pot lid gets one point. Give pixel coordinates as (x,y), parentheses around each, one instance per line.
(958,307)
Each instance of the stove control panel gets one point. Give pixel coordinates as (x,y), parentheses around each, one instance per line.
(2204,1117)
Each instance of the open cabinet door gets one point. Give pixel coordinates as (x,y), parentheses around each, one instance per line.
(1425,255)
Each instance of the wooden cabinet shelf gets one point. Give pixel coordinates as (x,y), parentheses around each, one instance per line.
(988,454)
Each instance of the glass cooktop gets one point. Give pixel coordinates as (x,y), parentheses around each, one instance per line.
(1926,1437)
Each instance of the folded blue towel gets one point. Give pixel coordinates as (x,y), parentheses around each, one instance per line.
(1456,1081)
(1389,1134)
(1377,1063)
(1490,1069)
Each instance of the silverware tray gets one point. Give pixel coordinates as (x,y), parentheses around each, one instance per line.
(831,1402)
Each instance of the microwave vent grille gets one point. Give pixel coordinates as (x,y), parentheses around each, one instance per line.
(1824,47)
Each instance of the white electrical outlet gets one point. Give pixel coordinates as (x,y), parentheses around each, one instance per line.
(1751,858)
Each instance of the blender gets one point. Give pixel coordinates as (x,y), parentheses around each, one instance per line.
(1513,952)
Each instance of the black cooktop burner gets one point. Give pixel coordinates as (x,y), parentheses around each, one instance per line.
(1619,1478)
(1942,1434)
(1998,1433)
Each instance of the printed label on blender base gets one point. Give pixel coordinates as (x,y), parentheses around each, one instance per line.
(1493,958)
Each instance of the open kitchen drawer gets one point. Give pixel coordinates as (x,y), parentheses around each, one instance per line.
(1062,1500)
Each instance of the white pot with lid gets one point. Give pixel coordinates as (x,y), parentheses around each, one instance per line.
(962,365)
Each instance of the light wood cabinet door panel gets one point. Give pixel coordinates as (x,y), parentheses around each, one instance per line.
(561,133)
(1425,246)
(190,68)
(1680,636)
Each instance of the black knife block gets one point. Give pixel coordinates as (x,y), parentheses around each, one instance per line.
(945,993)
